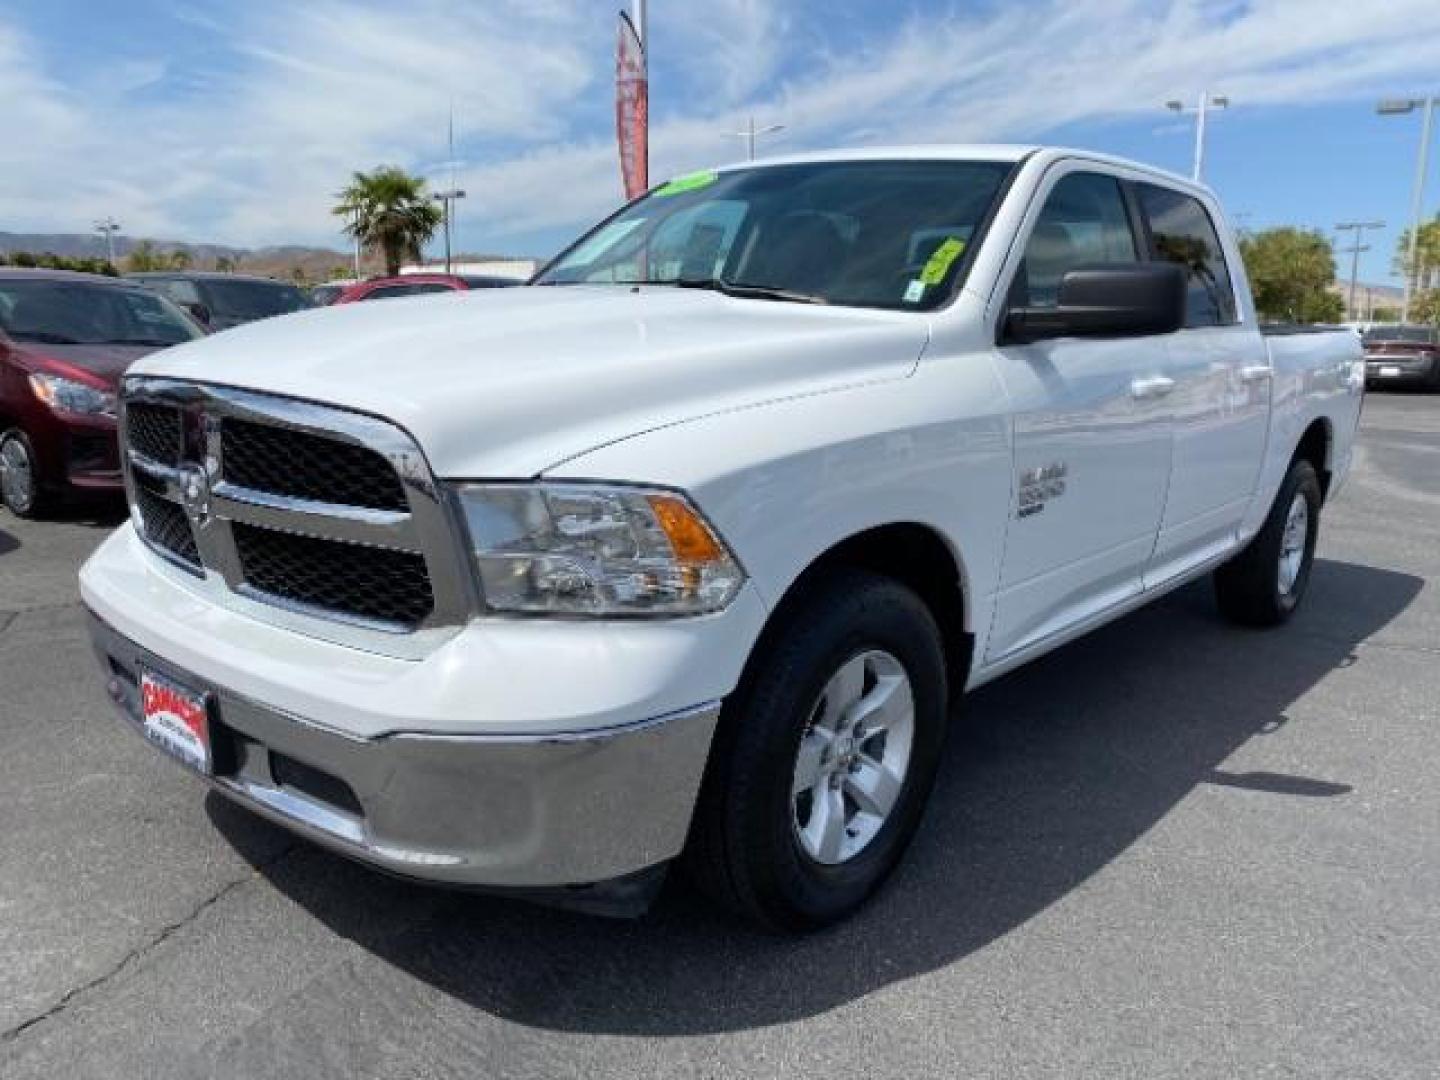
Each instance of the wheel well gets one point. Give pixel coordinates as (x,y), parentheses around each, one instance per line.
(1314,447)
(917,556)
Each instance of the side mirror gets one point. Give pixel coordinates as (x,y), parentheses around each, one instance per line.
(1107,300)
(200,313)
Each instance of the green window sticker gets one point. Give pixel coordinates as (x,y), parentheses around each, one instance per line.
(691,182)
(938,265)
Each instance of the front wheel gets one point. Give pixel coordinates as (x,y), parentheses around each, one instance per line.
(19,476)
(825,757)
(1264,584)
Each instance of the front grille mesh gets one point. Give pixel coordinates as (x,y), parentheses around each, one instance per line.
(166,526)
(370,582)
(293,505)
(300,465)
(155,431)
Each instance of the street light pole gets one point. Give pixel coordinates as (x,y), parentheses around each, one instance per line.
(1358,227)
(1394,107)
(109,226)
(751,132)
(447,198)
(1202,107)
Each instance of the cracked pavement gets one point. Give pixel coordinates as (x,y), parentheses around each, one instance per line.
(1170,849)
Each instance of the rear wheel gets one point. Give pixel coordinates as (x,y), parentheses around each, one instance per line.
(1264,584)
(19,476)
(824,758)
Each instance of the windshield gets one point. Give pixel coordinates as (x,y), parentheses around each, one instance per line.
(245,301)
(860,233)
(57,312)
(1418,335)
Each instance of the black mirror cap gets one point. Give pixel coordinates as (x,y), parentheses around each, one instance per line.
(1108,300)
(199,312)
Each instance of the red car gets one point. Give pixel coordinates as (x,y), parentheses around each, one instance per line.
(383,288)
(65,340)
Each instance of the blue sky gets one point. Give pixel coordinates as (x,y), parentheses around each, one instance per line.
(235,122)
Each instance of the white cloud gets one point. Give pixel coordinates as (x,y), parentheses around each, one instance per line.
(251,150)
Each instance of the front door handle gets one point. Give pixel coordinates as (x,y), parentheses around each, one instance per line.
(1155,386)
(1256,373)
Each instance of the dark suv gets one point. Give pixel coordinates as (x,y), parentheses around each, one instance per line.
(221,301)
(65,340)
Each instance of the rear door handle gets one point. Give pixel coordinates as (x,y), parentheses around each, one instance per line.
(1256,373)
(1155,386)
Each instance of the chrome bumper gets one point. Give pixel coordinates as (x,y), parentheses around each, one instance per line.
(523,812)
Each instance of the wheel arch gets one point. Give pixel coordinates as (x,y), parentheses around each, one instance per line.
(917,555)
(1317,445)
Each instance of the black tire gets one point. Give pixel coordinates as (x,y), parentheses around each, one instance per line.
(743,848)
(1250,587)
(32,500)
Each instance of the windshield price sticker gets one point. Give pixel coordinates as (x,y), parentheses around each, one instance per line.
(692,182)
(939,262)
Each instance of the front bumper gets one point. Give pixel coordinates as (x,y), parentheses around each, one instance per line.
(512,811)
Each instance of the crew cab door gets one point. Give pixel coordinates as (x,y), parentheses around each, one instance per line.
(1221,398)
(1091,425)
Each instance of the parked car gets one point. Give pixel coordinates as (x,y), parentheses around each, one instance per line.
(221,301)
(65,338)
(688,549)
(1402,356)
(385,288)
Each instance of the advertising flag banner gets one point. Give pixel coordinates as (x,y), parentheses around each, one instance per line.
(632,110)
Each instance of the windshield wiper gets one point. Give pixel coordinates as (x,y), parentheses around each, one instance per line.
(744,290)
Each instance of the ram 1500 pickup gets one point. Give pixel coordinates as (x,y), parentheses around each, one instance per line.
(685,551)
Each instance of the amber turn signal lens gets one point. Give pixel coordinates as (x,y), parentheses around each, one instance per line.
(691,540)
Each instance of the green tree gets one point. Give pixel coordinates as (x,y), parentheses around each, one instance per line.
(225,264)
(49,260)
(180,259)
(145,256)
(1425,274)
(389,210)
(1291,271)
(1425,307)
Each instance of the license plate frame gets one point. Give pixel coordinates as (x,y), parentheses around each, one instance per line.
(176,718)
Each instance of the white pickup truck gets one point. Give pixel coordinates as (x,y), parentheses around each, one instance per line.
(688,550)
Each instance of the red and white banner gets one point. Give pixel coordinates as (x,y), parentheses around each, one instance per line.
(632,110)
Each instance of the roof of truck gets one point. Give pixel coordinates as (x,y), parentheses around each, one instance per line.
(1003,152)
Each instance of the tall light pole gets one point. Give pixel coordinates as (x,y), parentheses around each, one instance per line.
(1358,228)
(1400,106)
(1201,108)
(452,193)
(751,132)
(357,245)
(109,226)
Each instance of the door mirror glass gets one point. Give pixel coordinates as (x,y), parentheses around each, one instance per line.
(1106,300)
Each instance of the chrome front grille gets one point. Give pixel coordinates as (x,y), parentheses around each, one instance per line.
(307,515)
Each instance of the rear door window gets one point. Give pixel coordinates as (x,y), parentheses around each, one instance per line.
(1181,232)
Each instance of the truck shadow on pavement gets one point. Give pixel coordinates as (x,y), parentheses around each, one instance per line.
(1056,771)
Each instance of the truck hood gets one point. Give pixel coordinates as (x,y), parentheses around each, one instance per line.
(508,382)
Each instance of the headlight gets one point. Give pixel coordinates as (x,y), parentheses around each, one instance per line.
(75,398)
(582,549)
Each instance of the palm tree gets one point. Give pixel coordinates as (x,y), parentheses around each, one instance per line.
(390,210)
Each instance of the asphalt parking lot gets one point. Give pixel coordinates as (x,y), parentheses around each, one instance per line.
(1171,849)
